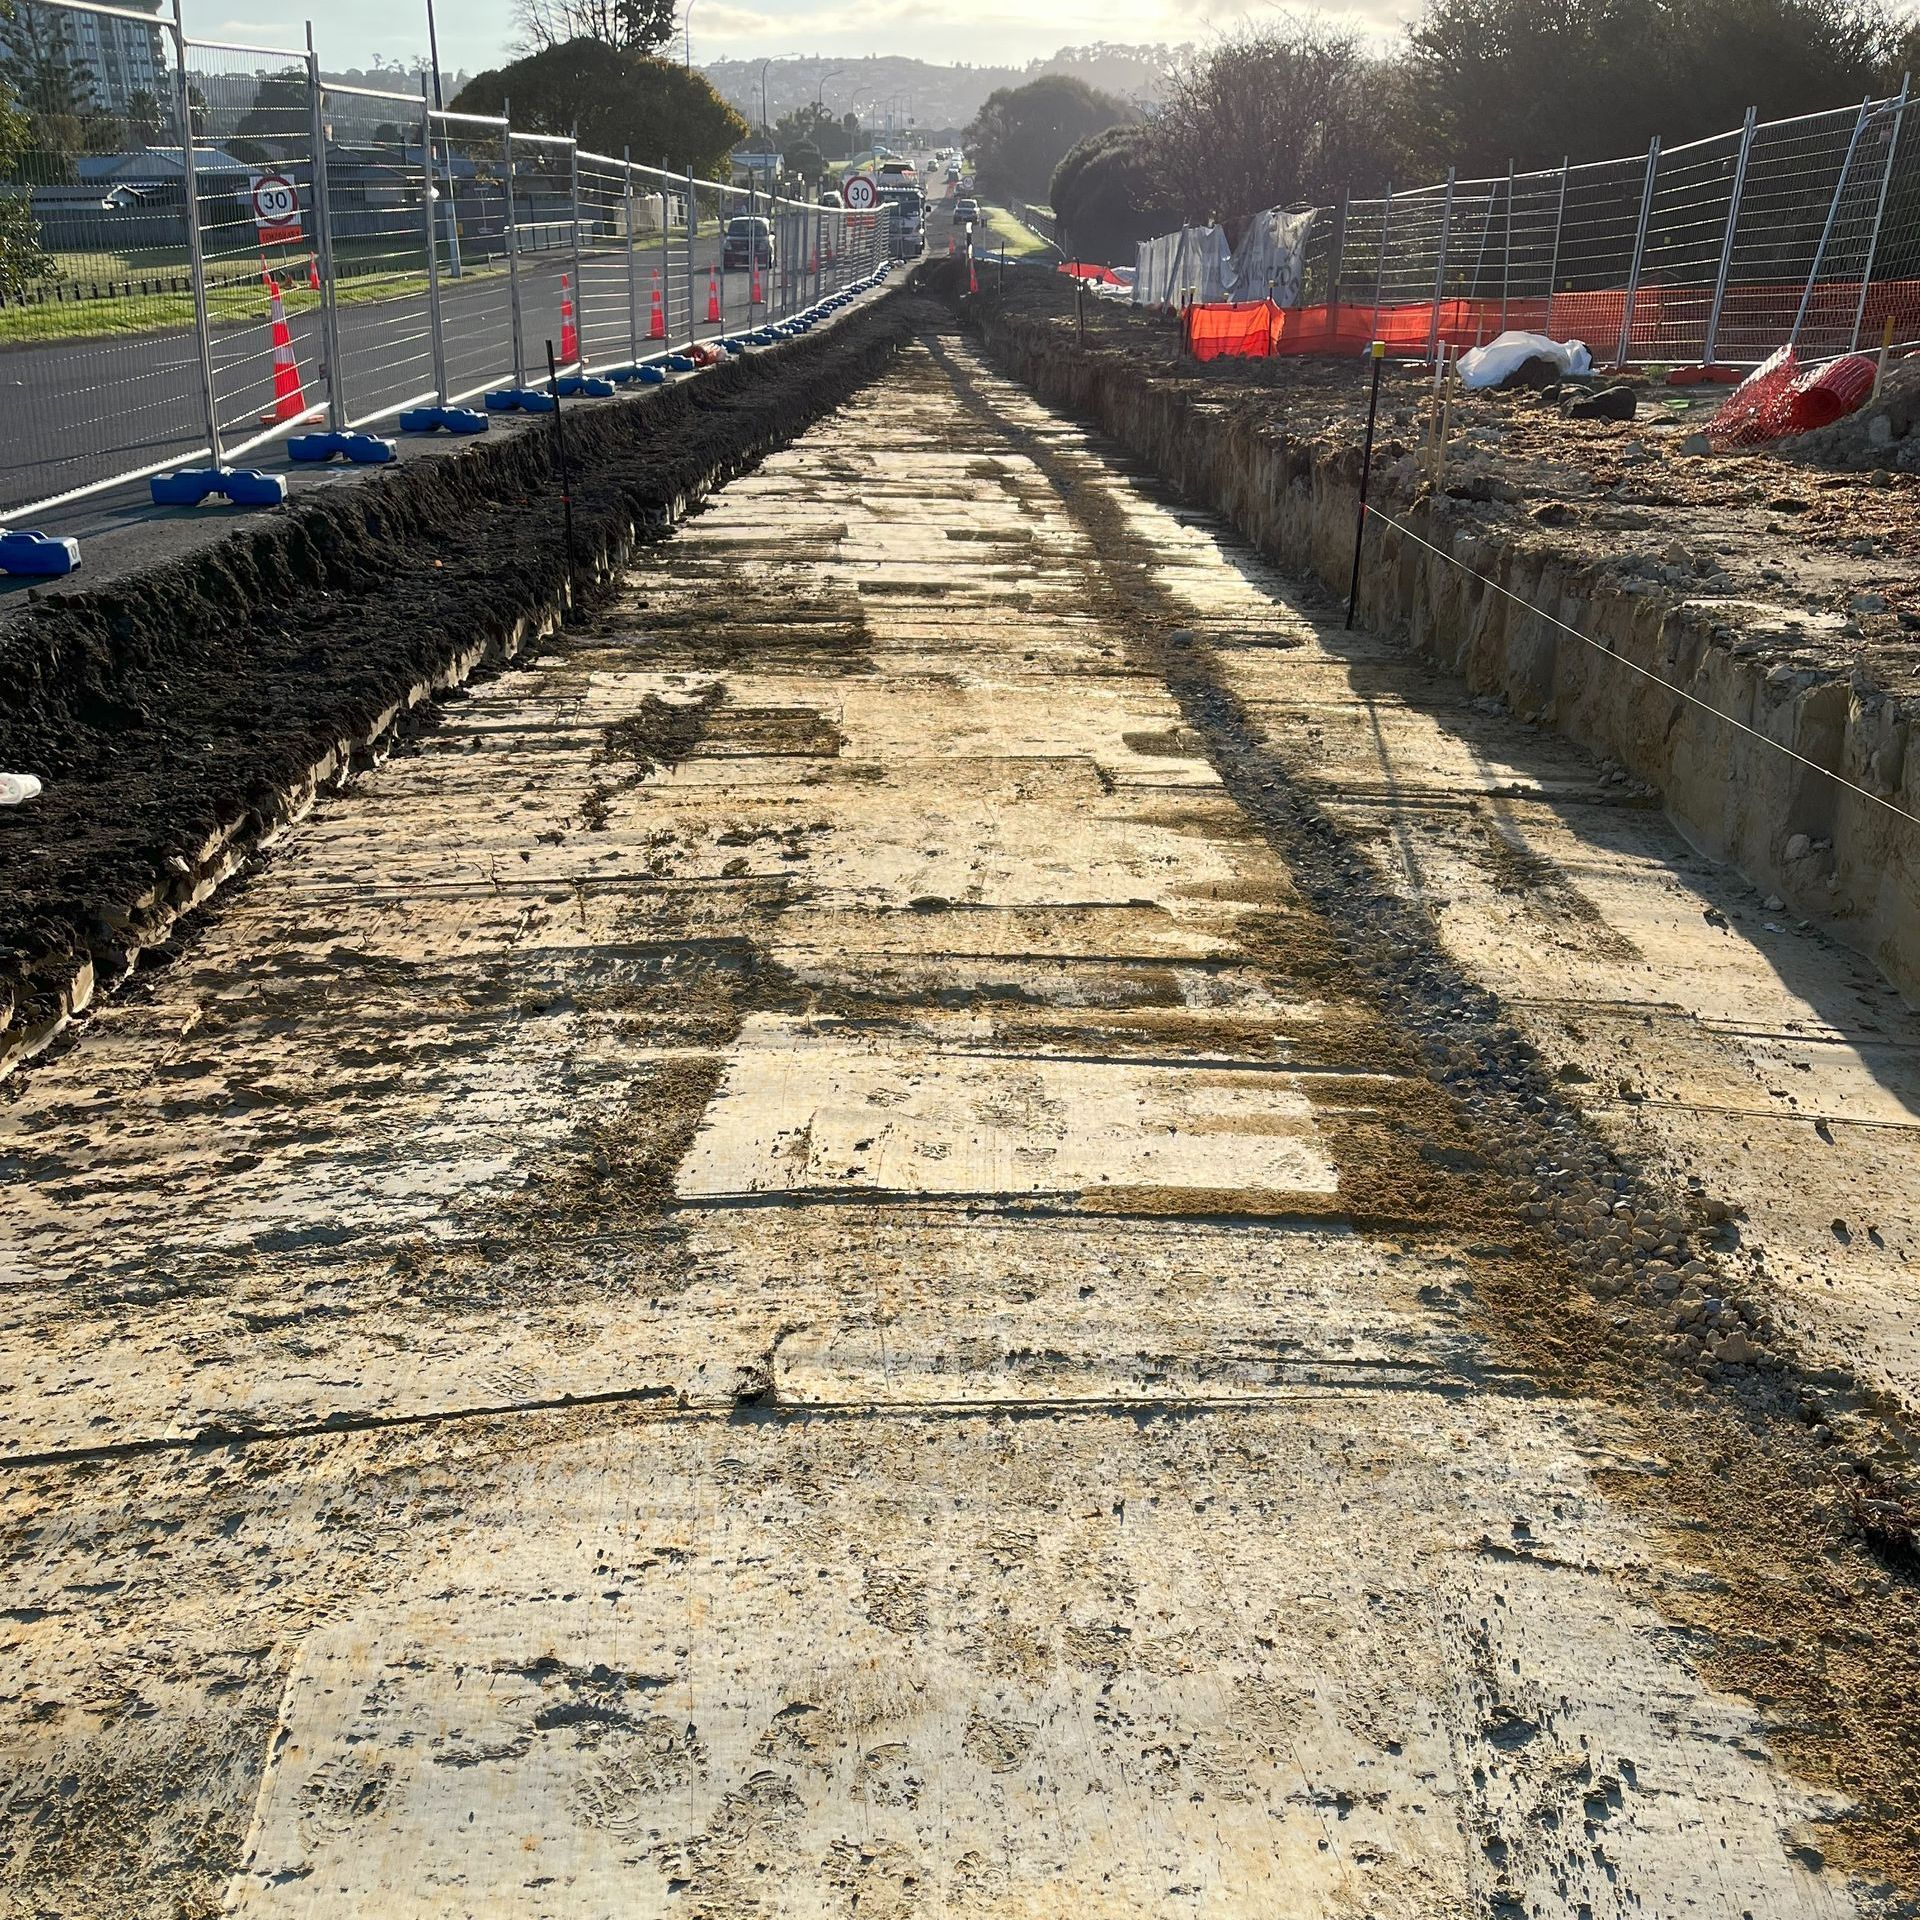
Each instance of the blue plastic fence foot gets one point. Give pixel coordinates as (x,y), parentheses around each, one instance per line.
(40,556)
(248,487)
(443,420)
(654,376)
(680,363)
(532,400)
(503,400)
(186,488)
(586,386)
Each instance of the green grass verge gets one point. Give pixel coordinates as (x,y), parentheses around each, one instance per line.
(1021,241)
(158,312)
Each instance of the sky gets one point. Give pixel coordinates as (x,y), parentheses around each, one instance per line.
(479,33)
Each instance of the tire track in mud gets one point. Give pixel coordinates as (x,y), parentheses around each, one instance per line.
(1801,1606)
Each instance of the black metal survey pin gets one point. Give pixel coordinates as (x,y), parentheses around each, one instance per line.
(560,450)
(1378,354)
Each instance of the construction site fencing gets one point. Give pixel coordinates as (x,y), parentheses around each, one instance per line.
(247,249)
(1801,232)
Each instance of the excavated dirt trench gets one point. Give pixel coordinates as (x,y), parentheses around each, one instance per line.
(1463,571)
(851,1248)
(178,720)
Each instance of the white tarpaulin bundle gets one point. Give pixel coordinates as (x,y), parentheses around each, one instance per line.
(1197,264)
(1194,263)
(1271,260)
(1506,353)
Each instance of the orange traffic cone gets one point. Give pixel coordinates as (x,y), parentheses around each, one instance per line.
(569,333)
(813,259)
(754,296)
(657,326)
(313,271)
(949,246)
(713,294)
(973,276)
(289,403)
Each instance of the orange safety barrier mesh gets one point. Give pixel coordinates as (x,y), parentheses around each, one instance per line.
(1669,323)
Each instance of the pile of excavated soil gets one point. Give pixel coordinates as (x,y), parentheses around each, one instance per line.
(1884,434)
(1820,570)
(166,712)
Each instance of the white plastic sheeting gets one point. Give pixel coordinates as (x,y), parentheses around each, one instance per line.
(1489,365)
(1271,259)
(1197,263)
(1194,262)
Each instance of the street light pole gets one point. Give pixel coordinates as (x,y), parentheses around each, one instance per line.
(686,28)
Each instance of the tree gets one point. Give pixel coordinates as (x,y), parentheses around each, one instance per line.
(146,119)
(814,126)
(281,111)
(1272,116)
(21,256)
(615,100)
(54,88)
(1109,194)
(628,26)
(1492,80)
(1022,133)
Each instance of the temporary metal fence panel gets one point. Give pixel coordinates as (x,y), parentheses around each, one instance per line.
(102,362)
(377,257)
(604,305)
(541,247)
(416,255)
(476,309)
(257,223)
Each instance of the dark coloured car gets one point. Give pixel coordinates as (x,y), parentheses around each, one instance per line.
(748,243)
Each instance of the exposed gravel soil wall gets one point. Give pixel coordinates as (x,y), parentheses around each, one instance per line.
(179,719)
(1830,854)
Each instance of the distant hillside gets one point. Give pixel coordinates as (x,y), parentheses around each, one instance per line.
(933,96)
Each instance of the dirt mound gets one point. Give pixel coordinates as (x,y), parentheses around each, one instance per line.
(177,717)
(1885,433)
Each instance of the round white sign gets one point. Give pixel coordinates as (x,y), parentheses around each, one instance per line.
(861,193)
(275,201)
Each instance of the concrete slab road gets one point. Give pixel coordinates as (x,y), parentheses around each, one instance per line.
(784,1274)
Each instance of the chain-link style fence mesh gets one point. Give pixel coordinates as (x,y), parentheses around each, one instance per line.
(256,228)
(245,249)
(470,166)
(377,215)
(101,360)
(1802,232)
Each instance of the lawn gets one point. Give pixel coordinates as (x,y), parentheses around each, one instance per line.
(1021,241)
(226,305)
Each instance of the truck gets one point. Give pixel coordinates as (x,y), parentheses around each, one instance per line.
(901,193)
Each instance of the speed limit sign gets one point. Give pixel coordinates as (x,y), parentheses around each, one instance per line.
(276,206)
(861,193)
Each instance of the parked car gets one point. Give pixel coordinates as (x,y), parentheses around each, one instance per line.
(748,243)
(966,213)
(832,197)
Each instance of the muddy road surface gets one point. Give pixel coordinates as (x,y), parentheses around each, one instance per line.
(890,1237)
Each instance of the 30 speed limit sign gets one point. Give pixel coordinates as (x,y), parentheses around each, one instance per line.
(276,206)
(862,195)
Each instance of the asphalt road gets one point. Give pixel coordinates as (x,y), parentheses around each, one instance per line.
(120,529)
(81,411)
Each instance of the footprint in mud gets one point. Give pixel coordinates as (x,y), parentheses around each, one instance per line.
(998,1745)
(345,1789)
